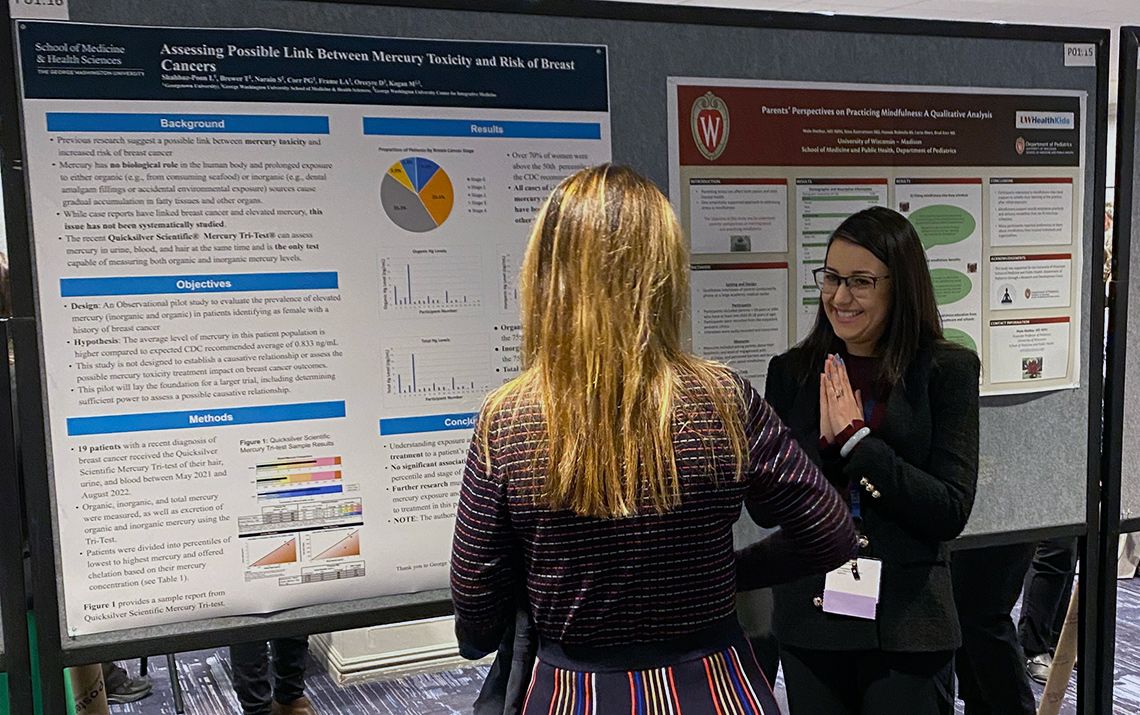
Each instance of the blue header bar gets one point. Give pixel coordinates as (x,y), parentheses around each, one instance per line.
(427,423)
(170,64)
(226,417)
(187,123)
(205,283)
(383,126)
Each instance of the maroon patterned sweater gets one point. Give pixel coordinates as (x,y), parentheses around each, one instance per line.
(648,577)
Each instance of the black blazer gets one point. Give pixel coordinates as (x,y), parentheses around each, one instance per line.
(922,465)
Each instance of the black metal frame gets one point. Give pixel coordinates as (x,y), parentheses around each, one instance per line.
(1008,538)
(16,659)
(1115,365)
(239,629)
(1097,615)
(37,496)
(56,652)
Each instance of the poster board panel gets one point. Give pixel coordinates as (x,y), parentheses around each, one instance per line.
(644,53)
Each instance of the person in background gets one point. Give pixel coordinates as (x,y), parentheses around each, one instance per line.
(1108,213)
(1044,603)
(1129,545)
(284,693)
(990,664)
(889,409)
(121,688)
(505,686)
(606,478)
(5,287)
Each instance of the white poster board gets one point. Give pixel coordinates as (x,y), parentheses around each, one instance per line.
(990,178)
(277,273)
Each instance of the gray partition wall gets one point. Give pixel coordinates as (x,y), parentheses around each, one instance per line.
(674,41)
(1037,478)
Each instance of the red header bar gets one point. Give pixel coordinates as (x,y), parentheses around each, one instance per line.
(1034,257)
(949,180)
(737,266)
(1031,180)
(1029,321)
(840,182)
(792,126)
(733,182)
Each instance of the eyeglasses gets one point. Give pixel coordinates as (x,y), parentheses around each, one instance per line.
(860,285)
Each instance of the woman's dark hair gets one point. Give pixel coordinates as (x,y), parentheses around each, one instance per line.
(914,322)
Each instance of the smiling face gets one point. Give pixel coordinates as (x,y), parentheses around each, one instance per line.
(858,319)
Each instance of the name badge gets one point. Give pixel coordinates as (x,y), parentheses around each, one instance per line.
(853,589)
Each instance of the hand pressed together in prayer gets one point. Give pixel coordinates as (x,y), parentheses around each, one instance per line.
(839,405)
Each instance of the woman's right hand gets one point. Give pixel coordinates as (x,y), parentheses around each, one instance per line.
(825,429)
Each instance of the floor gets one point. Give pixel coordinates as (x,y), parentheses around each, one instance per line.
(206,682)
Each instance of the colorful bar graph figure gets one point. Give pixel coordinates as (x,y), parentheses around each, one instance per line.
(302,477)
(300,493)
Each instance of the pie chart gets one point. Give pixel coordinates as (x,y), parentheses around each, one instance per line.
(417,194)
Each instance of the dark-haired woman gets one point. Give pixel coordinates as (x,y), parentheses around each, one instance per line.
(889,410)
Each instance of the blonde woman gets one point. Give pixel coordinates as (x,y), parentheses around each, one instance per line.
(603,482)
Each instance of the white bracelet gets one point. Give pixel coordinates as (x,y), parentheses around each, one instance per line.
(853,440)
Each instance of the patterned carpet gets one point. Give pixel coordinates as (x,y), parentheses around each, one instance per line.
(207,688)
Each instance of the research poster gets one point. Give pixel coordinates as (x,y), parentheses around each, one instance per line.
(277,273)
(991,180)
(737,311)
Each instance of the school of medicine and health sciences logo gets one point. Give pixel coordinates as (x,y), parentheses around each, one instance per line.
(709,122)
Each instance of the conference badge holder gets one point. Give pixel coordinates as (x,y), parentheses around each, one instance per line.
(853,589)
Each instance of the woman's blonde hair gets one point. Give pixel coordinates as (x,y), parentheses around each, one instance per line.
(603,288)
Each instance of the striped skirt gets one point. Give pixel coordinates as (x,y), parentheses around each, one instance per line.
(723,681)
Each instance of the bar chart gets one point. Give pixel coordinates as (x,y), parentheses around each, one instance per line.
(431,281)
(510,282)
(434,369)
(300,477)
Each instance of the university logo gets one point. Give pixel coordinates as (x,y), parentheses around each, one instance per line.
(709,122)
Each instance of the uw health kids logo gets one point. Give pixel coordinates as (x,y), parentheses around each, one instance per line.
(709,122)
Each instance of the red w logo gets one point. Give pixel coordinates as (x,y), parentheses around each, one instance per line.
(709,123)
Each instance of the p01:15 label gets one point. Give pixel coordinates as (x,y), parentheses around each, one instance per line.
(38,9)
(1080,54)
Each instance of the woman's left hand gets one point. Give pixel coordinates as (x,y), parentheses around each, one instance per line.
(844,405)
